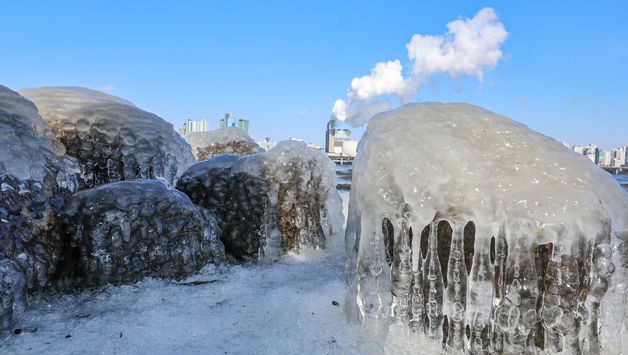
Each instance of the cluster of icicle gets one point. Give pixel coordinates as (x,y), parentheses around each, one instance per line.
(470,232)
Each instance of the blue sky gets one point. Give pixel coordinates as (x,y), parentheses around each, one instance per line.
(283,64)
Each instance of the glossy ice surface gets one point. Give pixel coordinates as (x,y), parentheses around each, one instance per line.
(468,230)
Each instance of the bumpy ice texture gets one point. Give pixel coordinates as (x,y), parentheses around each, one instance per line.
(112,139)
(227,140)
(239,199)
(468,230)
(269,203)
(124,231)
(34,181)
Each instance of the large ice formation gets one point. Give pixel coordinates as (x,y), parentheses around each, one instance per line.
(35,178)
(468,230)
(281,200)
(124,231)
(229,140)
(112,139)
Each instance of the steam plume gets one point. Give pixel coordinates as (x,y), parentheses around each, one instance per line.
(470,47)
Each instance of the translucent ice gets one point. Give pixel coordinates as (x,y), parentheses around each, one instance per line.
(112,139)
(34,180)
(270,202)
(470,231)
(124,231)
(227,140)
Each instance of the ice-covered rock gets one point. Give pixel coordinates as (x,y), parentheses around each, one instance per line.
(112,139)
(121,232)
(34,180)
(468,230)
(227,140)
(271,202)
(238,198)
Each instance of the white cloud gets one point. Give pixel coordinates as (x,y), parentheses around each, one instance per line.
(303,112)
(471,47)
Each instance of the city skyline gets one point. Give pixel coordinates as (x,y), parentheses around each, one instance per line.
(568,87)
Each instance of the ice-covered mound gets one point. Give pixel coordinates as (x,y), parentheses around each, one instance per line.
(271,202)
(303,190)
(34,181)
(227,140)
(112,139)
(470,230)
(121,232)
(239,199)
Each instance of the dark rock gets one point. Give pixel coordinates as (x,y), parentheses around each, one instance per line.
(34,184)
(121,232)
(238,199)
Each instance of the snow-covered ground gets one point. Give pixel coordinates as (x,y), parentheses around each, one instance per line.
(282,308)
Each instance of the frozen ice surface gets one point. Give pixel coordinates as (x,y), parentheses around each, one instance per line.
(124,231)
(228,140)
(280,308)
(470,230)
(239,200)
(35,178)
(270,202)
(112,139)
(26,140)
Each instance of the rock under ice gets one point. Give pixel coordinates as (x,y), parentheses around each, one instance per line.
(124,231)
(228,140)
(35,179)
(270,202)
(112,139)
(469,231)
(116,233)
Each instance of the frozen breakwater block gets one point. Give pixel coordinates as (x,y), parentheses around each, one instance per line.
(271,202)
(124,231)
(469,231)
(111,138)
(229,140)
(35,179)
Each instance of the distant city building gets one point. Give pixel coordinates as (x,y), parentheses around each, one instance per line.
(190,126)
(267,144)
(350,148)
(605,158)
(230,121)
(620,156)
(591,151)
(579,149)
(335,137)
(243,125)
(614,158)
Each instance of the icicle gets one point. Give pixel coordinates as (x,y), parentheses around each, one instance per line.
(434,286)
(456,291)
(479,298)
(401,275)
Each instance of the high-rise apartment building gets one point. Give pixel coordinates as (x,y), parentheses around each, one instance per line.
(620,156)
(243,125)
(191,126)
(591,151)
(605,158)
(230,121)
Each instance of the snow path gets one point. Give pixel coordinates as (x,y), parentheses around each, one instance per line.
(283,308)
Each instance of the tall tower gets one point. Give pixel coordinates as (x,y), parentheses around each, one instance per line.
(330,140)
